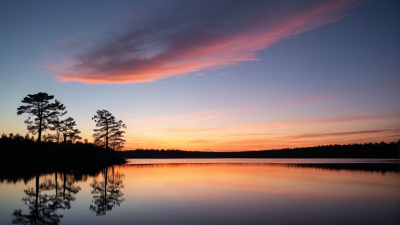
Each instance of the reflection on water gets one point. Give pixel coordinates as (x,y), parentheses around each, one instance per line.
(206,193)
(107,193)
(42,205)
(42,208)
(56,191)
(260,160)
(370,167)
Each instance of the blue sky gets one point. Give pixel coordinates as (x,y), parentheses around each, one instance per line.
(331,78)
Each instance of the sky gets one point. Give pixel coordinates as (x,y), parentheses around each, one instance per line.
(209,75)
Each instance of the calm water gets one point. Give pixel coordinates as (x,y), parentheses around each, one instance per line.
(209,191)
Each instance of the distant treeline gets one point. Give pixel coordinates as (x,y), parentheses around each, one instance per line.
(16,149)
(367,150)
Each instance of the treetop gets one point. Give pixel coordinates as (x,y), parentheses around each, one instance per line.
(39,97)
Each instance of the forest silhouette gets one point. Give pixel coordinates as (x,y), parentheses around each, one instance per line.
(17,149)
(47,116)
(61,146)
(367,150)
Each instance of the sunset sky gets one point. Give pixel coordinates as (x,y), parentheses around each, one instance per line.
(209,75)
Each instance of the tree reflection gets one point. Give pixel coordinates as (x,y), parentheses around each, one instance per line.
(42,206)
(68,190)
(107,194)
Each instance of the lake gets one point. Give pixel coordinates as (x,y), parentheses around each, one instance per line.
(207,191)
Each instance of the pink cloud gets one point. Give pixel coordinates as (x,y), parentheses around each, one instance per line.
(195,40)
(222,73)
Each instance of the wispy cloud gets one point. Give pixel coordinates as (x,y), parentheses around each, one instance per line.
(177,38)
(304,140)
(233,135)
(336,134)
(289,123)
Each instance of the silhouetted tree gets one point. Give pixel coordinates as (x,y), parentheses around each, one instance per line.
(116,141)
(73,135)
(109,129)
(57,126)
(18,137)
(48,138)
(66,129)
(43,111)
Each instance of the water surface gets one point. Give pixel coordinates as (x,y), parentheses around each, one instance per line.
(209,191)
(260,160)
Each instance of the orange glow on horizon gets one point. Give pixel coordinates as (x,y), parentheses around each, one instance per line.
(264,136)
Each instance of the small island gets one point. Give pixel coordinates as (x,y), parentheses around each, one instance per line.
(62,149)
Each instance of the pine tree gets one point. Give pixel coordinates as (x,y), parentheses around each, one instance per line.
(65,128)
(109,130)
(40,107)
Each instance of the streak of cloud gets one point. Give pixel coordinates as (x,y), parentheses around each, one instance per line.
(177,38)
(336,134)
(289,123)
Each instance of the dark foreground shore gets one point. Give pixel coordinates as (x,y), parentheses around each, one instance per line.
(30,155)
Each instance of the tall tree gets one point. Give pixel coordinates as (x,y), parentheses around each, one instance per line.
(40,107)
(110,128)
